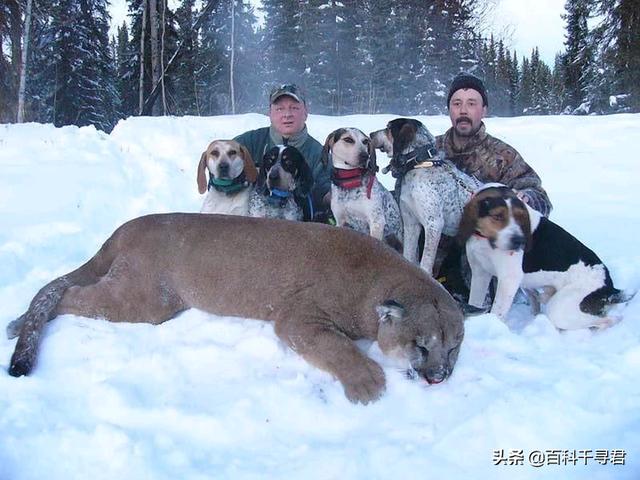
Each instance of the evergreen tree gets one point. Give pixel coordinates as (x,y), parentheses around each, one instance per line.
(168,44)
(514,86)
(74,80)
(126,83)
(578,56)
(618,38)
(185,75)
(215,59)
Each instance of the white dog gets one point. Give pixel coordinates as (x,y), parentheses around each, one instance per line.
(358,200)
(432,191)
(232,174)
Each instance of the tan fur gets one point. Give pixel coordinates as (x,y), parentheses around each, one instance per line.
(322,286)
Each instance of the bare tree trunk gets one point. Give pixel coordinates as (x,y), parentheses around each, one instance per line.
(232,89)
(155,51)
(154,92)
(23,65)
(142,40)
(164,93)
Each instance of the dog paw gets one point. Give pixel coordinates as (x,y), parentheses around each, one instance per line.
(365,382)
(470,311)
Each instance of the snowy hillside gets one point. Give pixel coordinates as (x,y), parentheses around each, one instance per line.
(204,397)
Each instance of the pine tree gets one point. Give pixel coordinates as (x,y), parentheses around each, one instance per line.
(126,83)
(514,86)
(185,79)
(214,58)
(525,100)
(578,56)
(74,77)
(618,38)
(168,44)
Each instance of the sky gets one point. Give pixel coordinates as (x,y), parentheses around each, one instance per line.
(203,397)
(526,24)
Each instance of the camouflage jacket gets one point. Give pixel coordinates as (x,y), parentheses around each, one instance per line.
(492,160)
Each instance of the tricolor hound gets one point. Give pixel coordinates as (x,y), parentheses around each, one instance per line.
(506,238)
(432,191)
(232,174)
(283,185)
(358,199)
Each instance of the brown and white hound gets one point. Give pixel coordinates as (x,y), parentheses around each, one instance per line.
(232,174)
(506,238)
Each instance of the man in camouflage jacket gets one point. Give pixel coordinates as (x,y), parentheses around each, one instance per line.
(474,151)
(288,114)
(489,159)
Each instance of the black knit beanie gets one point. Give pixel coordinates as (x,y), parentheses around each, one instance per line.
(467,80)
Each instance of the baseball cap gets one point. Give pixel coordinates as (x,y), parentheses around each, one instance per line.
(290,89)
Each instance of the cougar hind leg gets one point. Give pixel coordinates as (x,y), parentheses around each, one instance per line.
(124,294)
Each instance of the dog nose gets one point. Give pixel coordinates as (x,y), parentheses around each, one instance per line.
(274,174)
(223,169)
(363,157)
(517,242)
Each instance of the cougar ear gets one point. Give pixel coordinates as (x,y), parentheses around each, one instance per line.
(390,311)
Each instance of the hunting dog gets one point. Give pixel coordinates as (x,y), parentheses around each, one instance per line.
(431,191)
(232,174)
(323,287)
(358,200)
(283,185)
(506,238)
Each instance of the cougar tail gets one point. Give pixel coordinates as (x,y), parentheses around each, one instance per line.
(30,325)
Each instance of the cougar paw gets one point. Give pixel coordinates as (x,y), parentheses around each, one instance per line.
(365,383)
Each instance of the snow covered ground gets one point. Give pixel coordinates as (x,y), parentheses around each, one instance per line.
(204,397)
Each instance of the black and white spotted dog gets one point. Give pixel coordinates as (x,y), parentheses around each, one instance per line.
(431,191)
(507,239)
(358,200)
(283,185)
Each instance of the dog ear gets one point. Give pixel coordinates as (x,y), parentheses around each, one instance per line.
(202,177)
(304,178)
(405,136)
(390,311)
(250,170)
(326,149)
(521,216)
(373,164)
(468,222)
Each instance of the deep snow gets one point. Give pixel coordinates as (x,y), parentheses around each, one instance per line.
(204,397)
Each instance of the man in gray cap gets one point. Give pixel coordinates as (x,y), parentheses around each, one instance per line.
(474,151)
(288,114)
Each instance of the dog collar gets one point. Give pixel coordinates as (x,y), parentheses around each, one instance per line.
(353,178)
(277,197)
(421,157)
(228,186)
